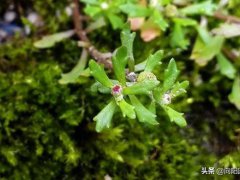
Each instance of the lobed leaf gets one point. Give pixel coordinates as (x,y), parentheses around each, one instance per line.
(127,109)
(179,88)
(142,87)
(143,114)
(99,74)
(175,116)
(119,61)
(153,60)
(170,75)
(105,116)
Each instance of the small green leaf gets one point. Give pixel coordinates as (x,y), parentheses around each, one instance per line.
(143,114)
(175,116)
(97,86)
(170,75)
(119,61)
(73,75)
(179,88)
(204,34)
(178,38)
(99,74)
(185,21)
(51,40)
(159,20)
(127,109)
(204,8)
(234,97)
(115,21)
(153,60)
(226,67)
(135,10)
(202,53)
(104,117)
(142,87)
(92,10)
(127,39)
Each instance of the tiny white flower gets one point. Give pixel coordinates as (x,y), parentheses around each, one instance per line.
(104,5)
(166,99)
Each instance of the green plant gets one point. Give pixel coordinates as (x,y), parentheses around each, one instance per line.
(144,83)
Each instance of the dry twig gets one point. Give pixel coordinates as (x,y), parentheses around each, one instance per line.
(104,58)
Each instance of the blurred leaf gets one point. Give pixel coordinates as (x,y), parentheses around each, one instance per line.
(105,116)
(204,8)
(175,116)
(179,88)
(127,39)
(152,107)
(185,21)
(177,37)
(227,30)
(142,87)
(127,109)
(92,2)
(135,10)
(119,61)
(97,86)
(153,60)
(115,20)
(159,20)
(73,75)
(226,67)
(143,114)
(51,40)
(98,23)
(234,97)
(204,53)
(204,34)
(170,75)
(99,74)
(92,10)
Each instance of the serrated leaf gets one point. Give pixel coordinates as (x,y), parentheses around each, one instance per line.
(135,10)
(202,53)
(226,67)
(143,87)
(178,38)
(127,109)
(104,117)
(179,88)
(234,97)
(99,74)
(204,8)
(119,61)
(175,116)
(153,60)
(143,114)
(170,75)
(51,40)
(227,30)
